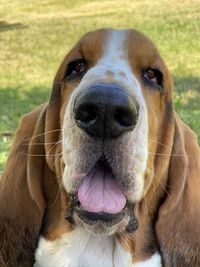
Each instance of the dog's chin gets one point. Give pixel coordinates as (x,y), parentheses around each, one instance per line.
(103,223)
(100,205)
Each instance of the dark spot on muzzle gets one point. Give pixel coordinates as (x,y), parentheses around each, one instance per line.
(105,111)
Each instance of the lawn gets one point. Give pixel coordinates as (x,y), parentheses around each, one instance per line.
(35,35)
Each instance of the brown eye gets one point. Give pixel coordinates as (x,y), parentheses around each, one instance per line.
(78,66)
(154,76)
(150,74)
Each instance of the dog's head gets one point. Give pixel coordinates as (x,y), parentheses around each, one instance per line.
(115,96)
(106,149)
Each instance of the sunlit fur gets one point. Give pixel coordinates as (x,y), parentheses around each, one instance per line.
(127,155)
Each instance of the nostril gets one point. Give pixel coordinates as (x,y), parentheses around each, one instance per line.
(125,117)
(105,111)
(86,114)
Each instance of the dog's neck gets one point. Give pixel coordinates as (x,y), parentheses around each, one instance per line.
(80,248)
(66,245)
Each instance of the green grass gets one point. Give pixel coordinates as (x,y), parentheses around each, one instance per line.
(35,35)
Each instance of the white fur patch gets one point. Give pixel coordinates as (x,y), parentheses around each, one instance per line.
(115,60)
(154,261)
(82,249)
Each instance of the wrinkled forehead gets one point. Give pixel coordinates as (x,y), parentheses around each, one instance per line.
(115,45)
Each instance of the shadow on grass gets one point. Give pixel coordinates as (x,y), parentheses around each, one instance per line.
(14,102)
(187,101)
(187,90)
(5,26)
(182,84)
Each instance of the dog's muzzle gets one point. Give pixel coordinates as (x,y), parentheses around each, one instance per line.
(105,111)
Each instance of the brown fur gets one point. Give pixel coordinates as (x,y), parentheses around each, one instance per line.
(32,198)
(21,201)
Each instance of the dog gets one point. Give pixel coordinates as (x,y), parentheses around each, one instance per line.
(105,173)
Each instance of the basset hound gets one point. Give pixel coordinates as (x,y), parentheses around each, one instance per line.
(105,174)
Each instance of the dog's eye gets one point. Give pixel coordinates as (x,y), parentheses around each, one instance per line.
(153,75)
(78,66)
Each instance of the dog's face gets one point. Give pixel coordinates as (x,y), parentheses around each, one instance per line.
(116,95)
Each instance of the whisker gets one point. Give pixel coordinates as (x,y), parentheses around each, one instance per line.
(165,189)
(53,146)
(40,155)
(168,154)
(47,132)
(156,141)
(160,183)
(42,143)
(172,154)
(147,205)
(150,172)
(57,158)
(59,190)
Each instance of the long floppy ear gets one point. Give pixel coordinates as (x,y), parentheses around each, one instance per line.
(21,198)
(178,225)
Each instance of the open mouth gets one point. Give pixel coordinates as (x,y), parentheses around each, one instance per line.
(100,192)
(100,199)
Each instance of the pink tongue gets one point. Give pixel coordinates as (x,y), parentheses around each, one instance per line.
(100,192)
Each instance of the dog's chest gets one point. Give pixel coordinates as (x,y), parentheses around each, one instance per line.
(80,249)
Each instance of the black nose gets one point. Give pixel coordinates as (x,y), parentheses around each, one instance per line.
(105,111)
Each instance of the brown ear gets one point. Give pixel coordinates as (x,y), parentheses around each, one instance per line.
(21,199)
(178,225)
